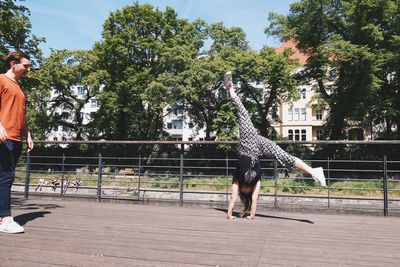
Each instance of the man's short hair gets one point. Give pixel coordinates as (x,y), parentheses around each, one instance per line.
(14,56)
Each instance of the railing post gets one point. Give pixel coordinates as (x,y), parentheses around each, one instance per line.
(329,182)
(27,175)
(139,175)
(99,178)
(227,179)
(62,174)
(181,177)
(276,184)
(385,188)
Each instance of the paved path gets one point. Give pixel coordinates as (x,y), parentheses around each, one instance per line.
(82,233)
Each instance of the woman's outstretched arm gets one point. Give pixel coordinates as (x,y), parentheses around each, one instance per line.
(235,193)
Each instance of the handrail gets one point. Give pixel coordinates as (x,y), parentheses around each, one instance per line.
(134,142)
(384,172)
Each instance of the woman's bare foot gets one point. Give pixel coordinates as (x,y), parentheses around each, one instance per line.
(230,217)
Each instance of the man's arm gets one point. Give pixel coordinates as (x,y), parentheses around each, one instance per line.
(29,141)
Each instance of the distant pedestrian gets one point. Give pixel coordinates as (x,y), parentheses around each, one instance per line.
(66,184)
(77,184)
(41,182)
(55,182)
(286,173)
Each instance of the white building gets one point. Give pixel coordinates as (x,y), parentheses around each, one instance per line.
(178,124)
(62,133)
(176,121)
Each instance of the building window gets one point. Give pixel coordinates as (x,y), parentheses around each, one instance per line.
(318,115)
(297,135)
(332,75)
(296,114)
(177,124)
(190,125)
(64,138)
(303,135)
(55,139)
(93,103)
(178,112)
(64,128)
(81,90)
(290,134)
(303,114)
(65,115)
(81,114)
(303,93)
(290,114)
(319,135)
(169,125)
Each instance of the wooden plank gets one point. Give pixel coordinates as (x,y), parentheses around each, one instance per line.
(82,233)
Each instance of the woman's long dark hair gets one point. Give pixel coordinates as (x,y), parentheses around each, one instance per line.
(246,197)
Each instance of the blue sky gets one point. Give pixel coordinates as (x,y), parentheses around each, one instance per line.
(77,24)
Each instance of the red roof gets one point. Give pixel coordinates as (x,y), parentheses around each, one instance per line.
(296,54)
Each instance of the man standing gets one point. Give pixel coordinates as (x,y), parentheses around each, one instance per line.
(13,130)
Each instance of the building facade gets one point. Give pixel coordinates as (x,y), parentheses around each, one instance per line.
(305,119)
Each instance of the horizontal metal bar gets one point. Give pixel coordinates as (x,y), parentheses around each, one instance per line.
(321,142)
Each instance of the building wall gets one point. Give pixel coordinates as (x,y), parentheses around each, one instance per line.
(178,124)
(301,119)
(60,133)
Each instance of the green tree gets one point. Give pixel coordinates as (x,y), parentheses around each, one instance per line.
(266,81)
(15,30)
(15,35)
(55,80)
(346,36)
(141,50)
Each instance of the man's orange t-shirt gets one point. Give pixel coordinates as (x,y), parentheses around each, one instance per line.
(12,108)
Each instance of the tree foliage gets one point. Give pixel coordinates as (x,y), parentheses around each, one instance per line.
(15,30)
(15,35)
(54,81)
(141,48)
(359,39)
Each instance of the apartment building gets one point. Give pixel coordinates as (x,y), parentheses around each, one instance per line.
(180,126)
(305,118)
(62,133)
(177,122)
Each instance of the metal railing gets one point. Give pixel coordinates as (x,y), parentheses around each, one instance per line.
(371,184)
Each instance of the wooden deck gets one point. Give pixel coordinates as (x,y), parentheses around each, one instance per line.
(83,233)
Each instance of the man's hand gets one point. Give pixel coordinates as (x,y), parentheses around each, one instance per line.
(3,134)
(29,142)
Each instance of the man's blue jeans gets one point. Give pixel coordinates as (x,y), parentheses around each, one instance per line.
(9,155)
